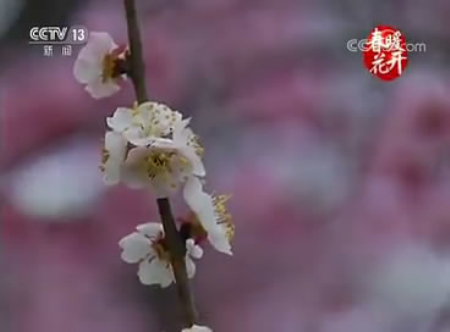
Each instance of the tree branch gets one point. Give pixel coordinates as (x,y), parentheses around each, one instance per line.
(177,255)
(174,242)
(137,67)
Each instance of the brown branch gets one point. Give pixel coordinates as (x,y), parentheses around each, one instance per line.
(177,254)
(137,67)
(174,242)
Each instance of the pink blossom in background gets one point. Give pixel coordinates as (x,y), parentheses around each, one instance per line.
(340,182)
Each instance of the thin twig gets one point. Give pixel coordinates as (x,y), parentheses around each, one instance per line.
(174,241)
(177,254)
(137,68)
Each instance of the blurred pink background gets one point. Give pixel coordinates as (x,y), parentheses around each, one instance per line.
(340,181)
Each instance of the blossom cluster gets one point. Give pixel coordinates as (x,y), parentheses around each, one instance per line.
(150,146)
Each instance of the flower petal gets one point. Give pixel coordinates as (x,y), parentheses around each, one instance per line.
(219,241)
(160,117)
(155,272)
(190,267)
(151,229)
(135,136)
(133,178)
(135,247)
(115,145)
(197,328)
(193,250)
(86,70)
(98,89)
(88,65)
(136,155)
(197,164)
(164,186)
(99,44)
(121,119)
(133,174)
(181,132)
(183,138)
(200,203)
(164,144)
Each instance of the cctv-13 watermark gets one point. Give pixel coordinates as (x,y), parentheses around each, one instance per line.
(58,38)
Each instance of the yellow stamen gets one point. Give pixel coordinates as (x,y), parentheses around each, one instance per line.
(158,163)
(105,156)
(104,160)
(225,218)
(194,141)
(109,67)
(161,251)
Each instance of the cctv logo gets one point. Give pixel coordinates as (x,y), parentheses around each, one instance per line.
(48,34)
(59,35)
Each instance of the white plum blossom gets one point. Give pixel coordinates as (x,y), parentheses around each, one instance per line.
(211,214)
(197,328)
(97,65)
(142,124)
(113,156)
(147,247)
(150,146)
(166,164)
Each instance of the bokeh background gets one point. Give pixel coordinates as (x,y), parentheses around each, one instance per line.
(340,181)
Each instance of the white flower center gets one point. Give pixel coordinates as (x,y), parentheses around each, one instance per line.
(168,166)
(158,163)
